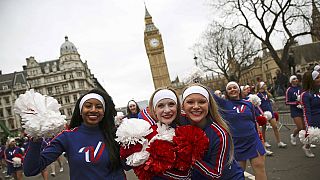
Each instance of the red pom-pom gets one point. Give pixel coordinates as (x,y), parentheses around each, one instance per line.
(191,144)
(142,172)
(276,115)
(162,156)
(261,120)
(127,151)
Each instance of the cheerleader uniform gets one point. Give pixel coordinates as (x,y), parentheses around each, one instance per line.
(311,108)
(240,115)
(265,102)
(10,153)
(86,152)
(292,94)
(214,164)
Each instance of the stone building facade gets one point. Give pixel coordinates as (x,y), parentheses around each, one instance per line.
(65,79)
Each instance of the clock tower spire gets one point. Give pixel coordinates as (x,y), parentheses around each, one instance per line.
(155,51)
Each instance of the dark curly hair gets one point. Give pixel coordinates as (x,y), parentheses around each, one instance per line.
(107,126)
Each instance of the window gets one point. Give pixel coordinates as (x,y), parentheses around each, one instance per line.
(9,111)
(5,87)
(65,87)
(79,74)
(57,89)
(75,98)
(56,78)
(1,113)
(67,99)
(11,123)
(71,76)
(59,99)
(49,90)
(73,86)
(69,111)
(62,111)
(7,100)
(0,102)
(81,84)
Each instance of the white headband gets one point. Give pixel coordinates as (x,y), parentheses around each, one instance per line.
(92,96)
(261,84)
(131,103)
(292,78)
(316,68)
(163,94)
(195,90)
(232,83)
(315,74)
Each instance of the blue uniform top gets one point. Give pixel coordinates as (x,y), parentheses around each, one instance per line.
(311,108)
(240,114)
(214,164)
(265,102)
(86,152)
(292,94)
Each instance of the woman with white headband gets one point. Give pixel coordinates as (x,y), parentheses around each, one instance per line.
(13,157)
(132,109)
(91,150)
(292,98)
(265,106)
(240,115)
(202,111)
(310,98)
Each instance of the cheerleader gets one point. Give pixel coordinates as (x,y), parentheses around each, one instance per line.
(132,109)
(240,115)
(311,104)
(265,96)
(292,98)
(13,157)
(202,111)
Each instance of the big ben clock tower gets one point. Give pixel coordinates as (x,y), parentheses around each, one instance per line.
(155,52)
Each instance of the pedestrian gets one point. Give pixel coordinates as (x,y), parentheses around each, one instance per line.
(91,149)
(266,105)
(202,111)
(13,157)
(240,115)
(292,98)
(132,109)
(311,104)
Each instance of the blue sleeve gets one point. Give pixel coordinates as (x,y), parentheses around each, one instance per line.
(220,101)
(213,166)
(290,97)
(306,102)
(36,160)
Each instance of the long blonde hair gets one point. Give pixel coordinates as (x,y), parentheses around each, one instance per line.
(259,88)
(151,105)
(215,116)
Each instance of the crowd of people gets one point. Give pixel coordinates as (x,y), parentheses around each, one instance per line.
(204,134)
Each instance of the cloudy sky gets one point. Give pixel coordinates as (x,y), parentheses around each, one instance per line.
(107,33)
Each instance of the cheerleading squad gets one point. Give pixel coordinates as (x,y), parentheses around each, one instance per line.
(205,136)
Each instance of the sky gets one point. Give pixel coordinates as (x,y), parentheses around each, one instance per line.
(109,35)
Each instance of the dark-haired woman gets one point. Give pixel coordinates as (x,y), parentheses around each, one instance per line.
(90,146)
(132,109)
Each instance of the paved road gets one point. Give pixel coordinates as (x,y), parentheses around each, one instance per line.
(286,164)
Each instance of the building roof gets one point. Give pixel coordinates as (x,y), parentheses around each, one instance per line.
(68,48)
(12,79)
(306,53)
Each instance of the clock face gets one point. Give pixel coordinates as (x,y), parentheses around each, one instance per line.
(154,42)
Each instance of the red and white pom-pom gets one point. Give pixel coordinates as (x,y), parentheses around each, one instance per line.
(268,115)
(133,131)
(312,136)
(164,132)
(261,120)
(255,100)
(40,114)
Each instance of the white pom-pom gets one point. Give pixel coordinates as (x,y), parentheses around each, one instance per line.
(165,132)
(255,100)
(16,162)
(132,131)
(299,106)
(268,115)
(137,158)
(40,114)
(313,135)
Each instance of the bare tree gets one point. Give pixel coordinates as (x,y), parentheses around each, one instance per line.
(225,51)
(268,20)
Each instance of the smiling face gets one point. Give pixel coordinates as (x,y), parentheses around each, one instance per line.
(133,108)
(233,91)
(294,82)
(166,110)
(196,107)
(92,112)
